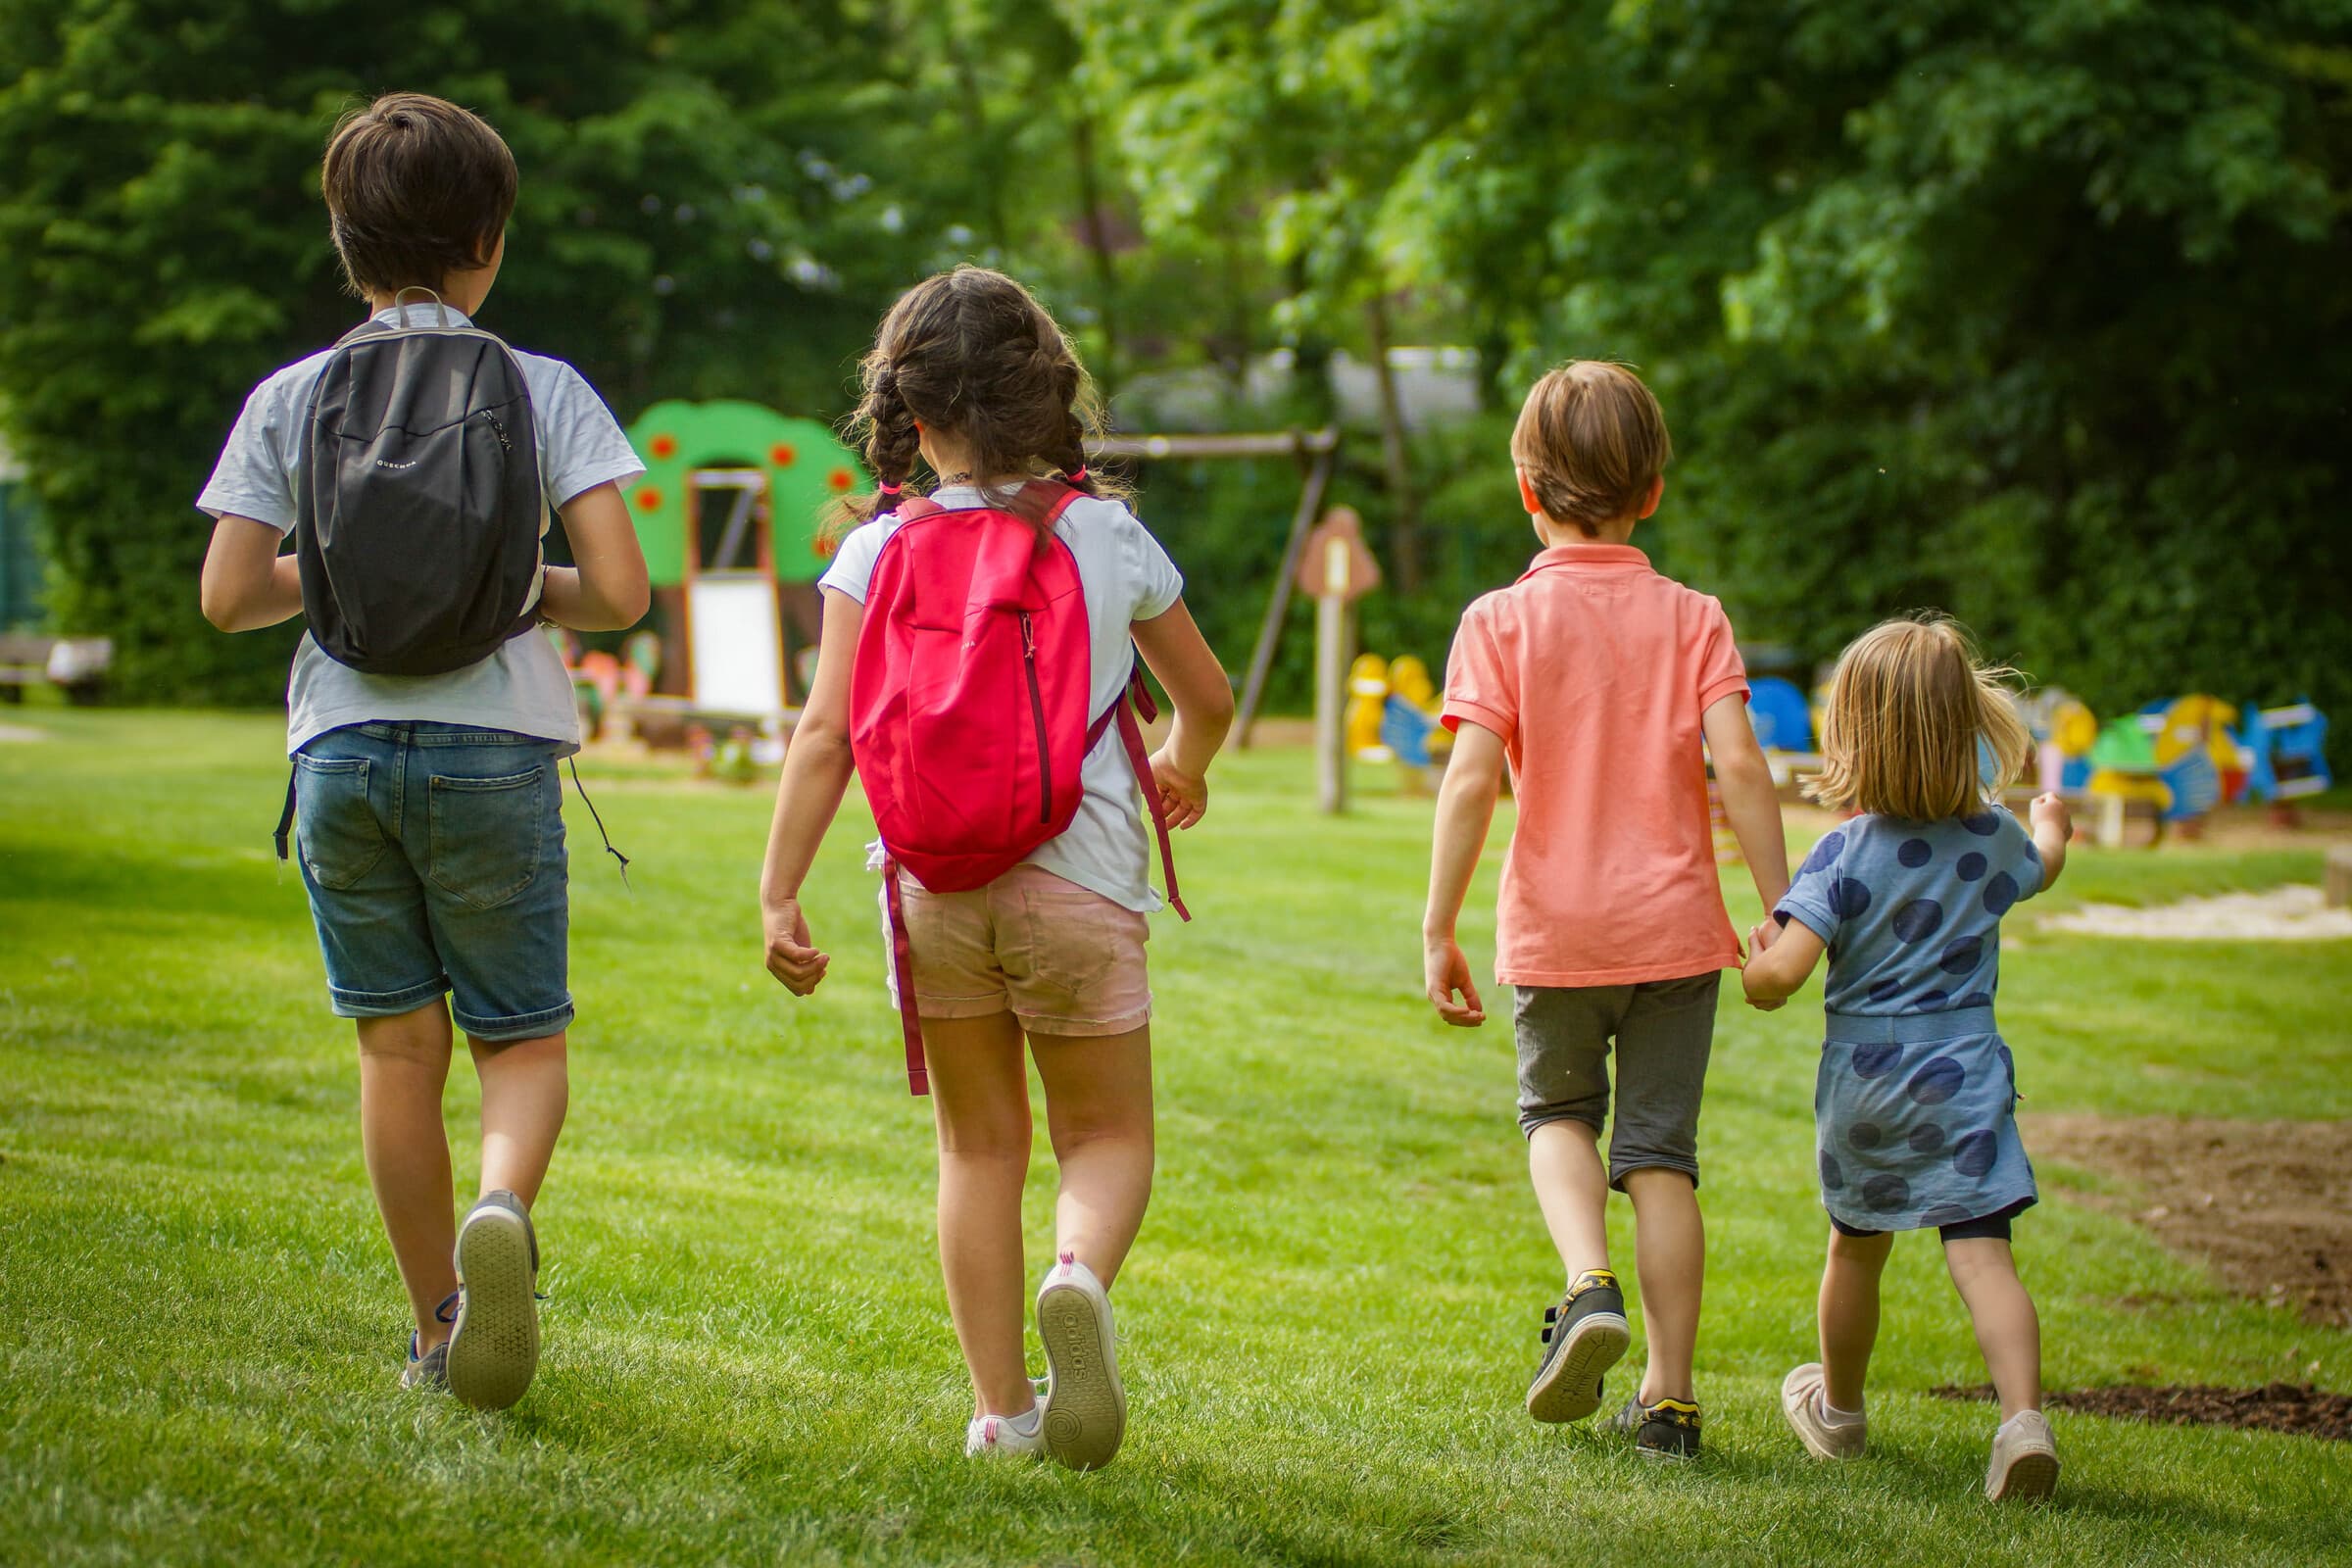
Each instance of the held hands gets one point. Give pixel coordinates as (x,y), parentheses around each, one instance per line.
(1446,973)
(1760,937)
(791,958)
(1183,796)
(2049,812)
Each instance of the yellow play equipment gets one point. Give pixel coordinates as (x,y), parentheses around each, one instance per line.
(1393,711)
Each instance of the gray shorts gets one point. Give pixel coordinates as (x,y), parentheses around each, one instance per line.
(1663,1030)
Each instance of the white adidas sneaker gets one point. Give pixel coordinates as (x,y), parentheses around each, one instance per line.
(1086,1408)
(993,1436)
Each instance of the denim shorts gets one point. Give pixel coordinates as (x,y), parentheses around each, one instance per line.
(434,858)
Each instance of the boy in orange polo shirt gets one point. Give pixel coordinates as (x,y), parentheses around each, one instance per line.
(1598,680)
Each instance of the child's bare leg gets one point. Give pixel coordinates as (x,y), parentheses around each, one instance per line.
(2008,1331)
(980,1103)
(1849,1313)
(1572,1187)
(1099,1112)
(1670,1253)
(526,1091)
(404,1064)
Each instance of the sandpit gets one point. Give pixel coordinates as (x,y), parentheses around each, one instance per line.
(2295,912)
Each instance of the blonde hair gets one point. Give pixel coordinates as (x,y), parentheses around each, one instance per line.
(1908,706)
(1591,440)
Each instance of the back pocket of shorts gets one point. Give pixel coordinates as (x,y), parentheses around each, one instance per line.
(336,829)
(486,834)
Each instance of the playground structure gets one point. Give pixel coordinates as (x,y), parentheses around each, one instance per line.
(2175,760)
(729,514)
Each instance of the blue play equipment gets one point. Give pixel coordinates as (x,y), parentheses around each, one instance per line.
(2290,747)
(1778,710)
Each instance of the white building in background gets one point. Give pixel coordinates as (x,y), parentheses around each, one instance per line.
(1432,385)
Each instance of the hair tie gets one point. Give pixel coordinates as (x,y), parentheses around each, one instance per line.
(890,489)
(1078,474)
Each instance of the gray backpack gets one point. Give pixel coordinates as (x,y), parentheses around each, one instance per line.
(419,511)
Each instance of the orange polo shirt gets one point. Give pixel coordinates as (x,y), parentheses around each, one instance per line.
(1595,670)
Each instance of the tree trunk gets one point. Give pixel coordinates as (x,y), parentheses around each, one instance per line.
(1405,515)
(1098,242)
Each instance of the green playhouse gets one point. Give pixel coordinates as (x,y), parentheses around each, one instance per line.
(729,514)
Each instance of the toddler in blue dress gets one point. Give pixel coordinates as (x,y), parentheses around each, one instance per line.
(1914,1104)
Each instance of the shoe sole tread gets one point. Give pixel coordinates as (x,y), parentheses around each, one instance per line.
(1086,1408)
(494,1347)
(1569,1389)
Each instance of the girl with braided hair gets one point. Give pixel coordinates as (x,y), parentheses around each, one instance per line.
(971,380)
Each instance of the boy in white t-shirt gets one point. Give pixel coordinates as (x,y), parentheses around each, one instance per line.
(430,832)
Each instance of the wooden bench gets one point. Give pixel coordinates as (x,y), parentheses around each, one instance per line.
(75,666)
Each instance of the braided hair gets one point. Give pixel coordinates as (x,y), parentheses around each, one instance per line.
(972,353)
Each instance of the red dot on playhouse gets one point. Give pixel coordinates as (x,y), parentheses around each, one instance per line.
(782,454)
(649,498)
(839,479)
(662,446)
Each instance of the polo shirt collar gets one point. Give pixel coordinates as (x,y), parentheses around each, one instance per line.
(1585,557)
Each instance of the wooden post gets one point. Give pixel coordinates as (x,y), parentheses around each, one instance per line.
(1333,624)
(1278,601)
(2337,888)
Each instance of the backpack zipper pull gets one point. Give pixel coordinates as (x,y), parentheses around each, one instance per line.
(1028,637)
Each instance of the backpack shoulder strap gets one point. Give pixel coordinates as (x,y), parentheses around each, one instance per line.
(1134,703)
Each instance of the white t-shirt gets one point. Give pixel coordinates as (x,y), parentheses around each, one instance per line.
(523,687)
(1126,577)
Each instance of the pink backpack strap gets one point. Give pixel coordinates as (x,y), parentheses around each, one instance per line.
(902,970)
(1135,700)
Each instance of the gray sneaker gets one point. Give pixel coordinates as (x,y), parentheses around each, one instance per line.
(494,1344)
(2025,1461)
(428,1372)
(1584,1336)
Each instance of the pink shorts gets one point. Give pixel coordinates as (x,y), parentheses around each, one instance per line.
(1062,958)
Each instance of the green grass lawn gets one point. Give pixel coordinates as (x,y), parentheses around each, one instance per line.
(1327,1321)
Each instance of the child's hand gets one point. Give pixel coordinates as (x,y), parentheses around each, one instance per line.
(1761,936)
(2050,812)
(1445,972)
(1183,797)
(790,958)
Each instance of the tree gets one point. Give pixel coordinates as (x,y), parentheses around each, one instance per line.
(695,218)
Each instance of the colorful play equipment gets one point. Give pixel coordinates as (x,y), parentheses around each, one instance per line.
(2288,751)
(1392,711)
(1782,720)
(729,514)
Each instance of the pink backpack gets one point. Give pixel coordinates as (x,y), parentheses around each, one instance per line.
(969,712)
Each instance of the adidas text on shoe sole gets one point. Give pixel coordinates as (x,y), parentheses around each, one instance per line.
(1569,1389)
(494,1346)
(1086,1408)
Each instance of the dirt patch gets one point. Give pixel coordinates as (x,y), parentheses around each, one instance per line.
(19,732)
(2295,912)
(2301,1409)
(2267,1204)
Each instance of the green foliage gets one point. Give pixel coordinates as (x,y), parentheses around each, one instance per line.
(2031,309)
(693,222)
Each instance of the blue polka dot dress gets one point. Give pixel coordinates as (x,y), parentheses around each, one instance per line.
(1914,1109)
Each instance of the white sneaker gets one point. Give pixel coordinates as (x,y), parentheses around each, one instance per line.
(1803,1401)
(1086,1408)
(2025,1461)
(1006,1436)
